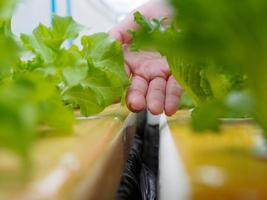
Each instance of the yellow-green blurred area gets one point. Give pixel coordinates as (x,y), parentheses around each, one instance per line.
(83,165)
(229,164)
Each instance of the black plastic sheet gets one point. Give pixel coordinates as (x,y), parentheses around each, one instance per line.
(140,176)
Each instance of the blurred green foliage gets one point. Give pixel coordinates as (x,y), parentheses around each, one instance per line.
(6,9)
(216,51)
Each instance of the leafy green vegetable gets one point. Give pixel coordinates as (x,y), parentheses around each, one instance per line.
(237,104)
(206,81)
(46,42)
(233,35)
(92,77)
(28,103)
(206,116)
(201,78)
(8,54)
(185,102)
(6,9)
(105,53)
(8,47)
(42,80)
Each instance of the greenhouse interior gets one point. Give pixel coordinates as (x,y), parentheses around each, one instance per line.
(133,99)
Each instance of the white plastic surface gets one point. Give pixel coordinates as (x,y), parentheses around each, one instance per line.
(173,180)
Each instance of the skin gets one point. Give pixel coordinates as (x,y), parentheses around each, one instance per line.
(152,85)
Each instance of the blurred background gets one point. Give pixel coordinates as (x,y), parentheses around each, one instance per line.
(97,15)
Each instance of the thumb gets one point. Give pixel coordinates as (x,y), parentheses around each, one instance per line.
(149,10)
(121,31)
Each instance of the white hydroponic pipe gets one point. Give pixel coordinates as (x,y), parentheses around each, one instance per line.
(173,180)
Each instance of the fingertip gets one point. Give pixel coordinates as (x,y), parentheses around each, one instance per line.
(173,93)
(155,107)
(136,103)
(171,111)
(136,94)
(171,105)
(156,95)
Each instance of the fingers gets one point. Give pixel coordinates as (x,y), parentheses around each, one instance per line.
(136,94)
(156,95)
(159,95)
(173,93)
(147,64)
(150,69)
(137,57)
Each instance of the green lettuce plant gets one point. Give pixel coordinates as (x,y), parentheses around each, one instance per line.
(216,51)
(43,79)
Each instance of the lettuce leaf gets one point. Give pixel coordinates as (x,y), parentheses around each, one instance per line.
(233,35)
(92,78)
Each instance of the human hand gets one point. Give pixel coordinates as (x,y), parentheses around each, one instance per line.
(152,84)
